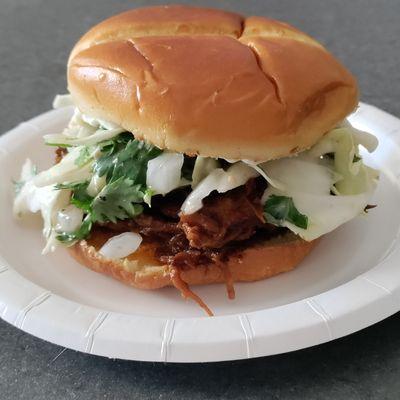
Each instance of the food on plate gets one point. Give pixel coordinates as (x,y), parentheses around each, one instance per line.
(203,147)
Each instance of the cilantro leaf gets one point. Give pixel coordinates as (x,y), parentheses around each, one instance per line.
(116,201)
(123,161)
(278,209)
(148,193)
(125,157)
(80,197)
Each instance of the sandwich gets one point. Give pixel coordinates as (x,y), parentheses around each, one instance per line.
(203,147)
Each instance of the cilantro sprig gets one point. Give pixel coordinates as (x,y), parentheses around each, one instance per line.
(125,157)
(278,209)
(119,199)
(123,162)
(80,197)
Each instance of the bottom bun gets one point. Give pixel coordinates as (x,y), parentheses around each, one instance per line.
(142,270)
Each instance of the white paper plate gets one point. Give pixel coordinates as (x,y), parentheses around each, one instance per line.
(349,282)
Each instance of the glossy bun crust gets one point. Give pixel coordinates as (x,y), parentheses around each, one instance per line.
(143,271)
(210,82)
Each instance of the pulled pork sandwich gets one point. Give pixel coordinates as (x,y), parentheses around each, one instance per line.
(204,147)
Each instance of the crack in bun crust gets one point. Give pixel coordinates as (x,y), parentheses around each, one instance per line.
(210,82)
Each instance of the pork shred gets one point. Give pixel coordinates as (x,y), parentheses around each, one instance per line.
(225,218)
(212,234)
(60,153)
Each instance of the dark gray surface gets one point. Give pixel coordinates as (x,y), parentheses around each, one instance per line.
(36,36)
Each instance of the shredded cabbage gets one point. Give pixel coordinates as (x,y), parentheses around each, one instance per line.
(89,140)
(325,212)
(96,184)
(28,171)
(77,127)
(221,181)
(259,168)
(99,123)
(80,119)
(121,246)
(67,170)
(63,100)
(203,166)
(365,139)
(69,219)
(59,200)
(299,174)
(82,129)
(164,172)
(312,178)
(355,177)
(46,199)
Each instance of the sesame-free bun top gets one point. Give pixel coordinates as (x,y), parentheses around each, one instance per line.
(210,82)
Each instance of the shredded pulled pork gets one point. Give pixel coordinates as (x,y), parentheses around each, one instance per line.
(186,293)
(172,246)
(60,153)
(226,217)
(208,236)
(226,224)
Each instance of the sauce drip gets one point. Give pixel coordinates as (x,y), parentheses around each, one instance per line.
(186,293)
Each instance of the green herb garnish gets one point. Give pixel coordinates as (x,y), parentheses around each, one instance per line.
(123,162)
(278,209)
(118,200)
(125,157)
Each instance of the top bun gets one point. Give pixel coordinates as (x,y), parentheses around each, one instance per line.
(210,82)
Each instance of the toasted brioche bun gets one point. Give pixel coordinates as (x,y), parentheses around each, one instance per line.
(143,271)
(210,82)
